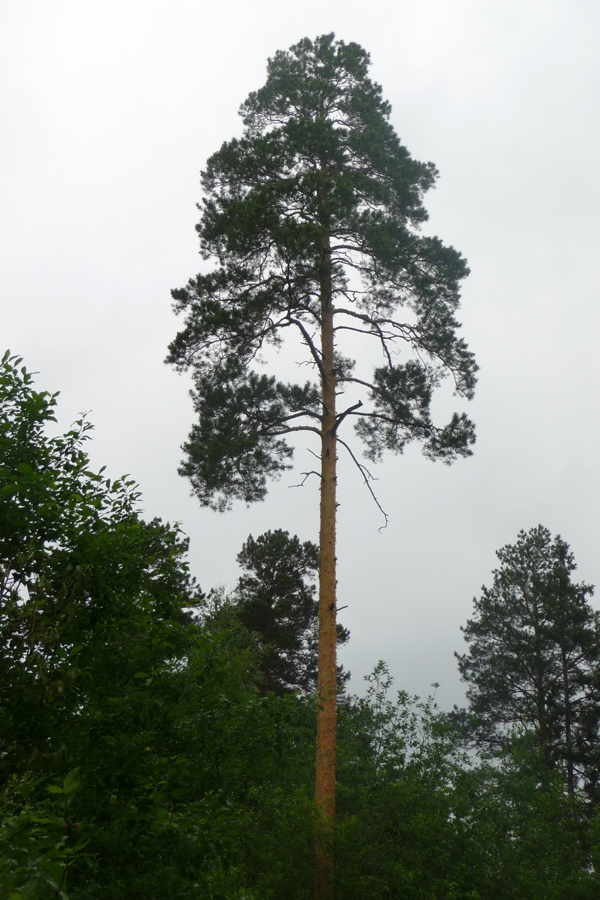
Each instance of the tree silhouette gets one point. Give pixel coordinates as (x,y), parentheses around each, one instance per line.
(311,220)
(532,662)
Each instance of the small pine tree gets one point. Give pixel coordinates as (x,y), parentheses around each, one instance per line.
(275,599)
(532,662)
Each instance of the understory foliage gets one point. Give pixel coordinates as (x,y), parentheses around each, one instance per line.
(131,740)
(141,757)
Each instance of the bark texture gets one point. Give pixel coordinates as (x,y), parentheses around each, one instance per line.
(326,715)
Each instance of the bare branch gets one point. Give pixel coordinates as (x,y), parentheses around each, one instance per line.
(353,380)
(408,332)
(367,478)
(375,332)
(303,412)
(306,475)
(347,412)
(270,433)
(309,343)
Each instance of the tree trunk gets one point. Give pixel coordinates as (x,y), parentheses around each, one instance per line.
(326,715)
(568,727)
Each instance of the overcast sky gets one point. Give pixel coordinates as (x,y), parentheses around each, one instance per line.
(109,111)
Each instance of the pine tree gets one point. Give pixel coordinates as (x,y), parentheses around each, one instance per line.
(311,220)
(275,599)
(534,645)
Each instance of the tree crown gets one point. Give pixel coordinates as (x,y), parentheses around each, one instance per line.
(315,212)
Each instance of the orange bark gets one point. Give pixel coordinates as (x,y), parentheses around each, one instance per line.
(326,715)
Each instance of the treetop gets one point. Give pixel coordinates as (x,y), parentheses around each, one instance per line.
(313,217)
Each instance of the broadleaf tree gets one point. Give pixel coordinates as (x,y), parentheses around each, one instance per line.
(311,220)
(136,758)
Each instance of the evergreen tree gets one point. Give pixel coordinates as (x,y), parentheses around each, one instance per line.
(275,599)
(534,645)
(312,221)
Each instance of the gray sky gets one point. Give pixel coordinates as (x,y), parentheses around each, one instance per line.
(109,111)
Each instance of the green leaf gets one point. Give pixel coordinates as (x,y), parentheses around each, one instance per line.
(71,782)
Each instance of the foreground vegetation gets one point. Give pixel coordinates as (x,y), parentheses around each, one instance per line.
(153,744)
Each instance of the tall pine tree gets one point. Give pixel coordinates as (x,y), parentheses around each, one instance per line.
(311,220)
